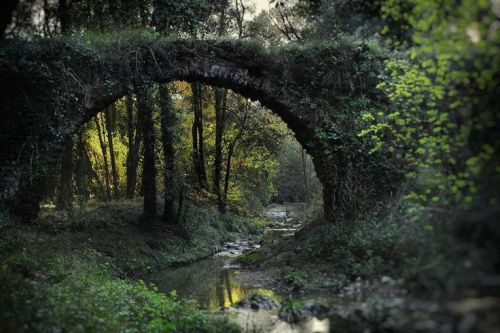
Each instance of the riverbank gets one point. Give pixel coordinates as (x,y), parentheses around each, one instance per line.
(83,270)
(80,270)
(424,276)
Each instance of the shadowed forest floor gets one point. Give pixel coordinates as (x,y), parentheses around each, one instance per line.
(83,268)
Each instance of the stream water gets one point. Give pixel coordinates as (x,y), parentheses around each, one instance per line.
(218,283)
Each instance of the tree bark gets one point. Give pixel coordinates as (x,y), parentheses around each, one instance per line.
(65,192)
(134,132)
(81,169)
(6,15)
(240,16)
(197,133)
(109,132)
(304,175)
(230,153)
(92,174)
(223,206)
(64,19)
(168,123)
(104,156)
(220,118)
(145,107)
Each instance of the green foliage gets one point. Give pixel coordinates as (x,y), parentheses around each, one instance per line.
(292,310)
(72,292)
(296,279)
(192,17)
(366,251)
(252,257)
(442,113)
(246,225)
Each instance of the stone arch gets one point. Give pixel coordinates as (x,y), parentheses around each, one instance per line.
(307,95)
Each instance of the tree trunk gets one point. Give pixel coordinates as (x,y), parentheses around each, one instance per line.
(63,15)
(144,105)
(64,196)
(220,118)
(6,15)
(92,174)
(109,132)
(81,169)
(197,135)
(134,129)
(223,207)
(240,16)
(304,175)
(104,156)
(167,135)
(230,152)
(194,138)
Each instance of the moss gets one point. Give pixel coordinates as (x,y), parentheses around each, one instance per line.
(252,257)
(114,230)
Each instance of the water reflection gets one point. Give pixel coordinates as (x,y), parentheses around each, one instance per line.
(212,282)
(226,290)
(268,321)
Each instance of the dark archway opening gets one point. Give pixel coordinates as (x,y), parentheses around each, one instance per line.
(206,140)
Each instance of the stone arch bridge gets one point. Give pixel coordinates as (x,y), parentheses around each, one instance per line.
(49,88)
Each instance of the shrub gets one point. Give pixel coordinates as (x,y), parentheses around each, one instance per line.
(296,279)
(79,293)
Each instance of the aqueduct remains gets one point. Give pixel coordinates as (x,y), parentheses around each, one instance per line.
(51,87)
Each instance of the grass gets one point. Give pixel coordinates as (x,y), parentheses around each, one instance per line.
(80,270)
(114,230)
(79,292)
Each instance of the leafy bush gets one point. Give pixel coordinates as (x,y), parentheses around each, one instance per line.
(296,279)
(375,245)
(80,293)
(248,225)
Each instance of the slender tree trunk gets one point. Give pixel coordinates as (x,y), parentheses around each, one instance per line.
(181,204)
(220,117)
(131,174)
(104,156)
(167,134)
(64,19)
(304,175)
(134,130)
(230,152)
(197,135)
(240,16)
(92,174)
(64,196)
(81,169)
(109,132)
(6,15)
(194,138)
(145,107)
(201,150)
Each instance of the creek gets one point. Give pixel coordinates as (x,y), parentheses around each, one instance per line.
(218,283)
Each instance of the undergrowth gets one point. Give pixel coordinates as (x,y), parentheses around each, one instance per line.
(437,256)
(78,270)
(79,293)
